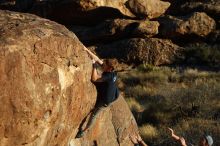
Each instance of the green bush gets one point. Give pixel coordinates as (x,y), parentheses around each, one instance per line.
(203,54)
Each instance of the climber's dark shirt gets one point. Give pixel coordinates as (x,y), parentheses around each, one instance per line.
(107,89)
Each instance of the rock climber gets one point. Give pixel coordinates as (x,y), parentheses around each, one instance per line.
(107,90)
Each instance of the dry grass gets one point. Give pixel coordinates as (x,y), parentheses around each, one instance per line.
(134,104)
(185,99)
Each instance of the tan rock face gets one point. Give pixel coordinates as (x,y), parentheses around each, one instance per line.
(148,8)
(137,50)
(198,23)
(45,83)
(43,69)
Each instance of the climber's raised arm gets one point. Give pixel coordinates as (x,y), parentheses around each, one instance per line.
(174,136)
(177,138)
(93,56)
(108,74)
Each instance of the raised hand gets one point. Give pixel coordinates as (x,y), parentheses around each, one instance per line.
(173,134)
(93,61)
(171,130)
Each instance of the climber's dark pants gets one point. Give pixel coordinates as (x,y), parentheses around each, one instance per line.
(95,113)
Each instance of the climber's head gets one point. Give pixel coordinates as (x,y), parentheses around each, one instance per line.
(109,65)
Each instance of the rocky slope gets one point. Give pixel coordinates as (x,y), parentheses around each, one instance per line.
(46,90)
(106,22)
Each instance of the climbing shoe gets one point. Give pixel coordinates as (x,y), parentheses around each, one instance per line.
(80,134)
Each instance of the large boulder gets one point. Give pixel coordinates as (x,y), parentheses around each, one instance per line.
(86,12)
(148,8)
(137,50)
(116,29)
(45,84)
(196,24)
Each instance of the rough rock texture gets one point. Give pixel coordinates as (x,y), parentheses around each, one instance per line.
(116,29)
(148,8)
(153,51)
(40,64)
(45,84)
(197,24)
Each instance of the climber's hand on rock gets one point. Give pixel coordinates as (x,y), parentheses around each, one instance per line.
(93,61)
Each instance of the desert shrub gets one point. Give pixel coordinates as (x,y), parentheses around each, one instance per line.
(134,104)
(203,54)
(136,91)
(148,132)
(146,67)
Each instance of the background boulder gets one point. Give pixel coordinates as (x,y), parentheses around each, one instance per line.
(196,24)
(111,30)
(81,12)
(148,8)
(137,50)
